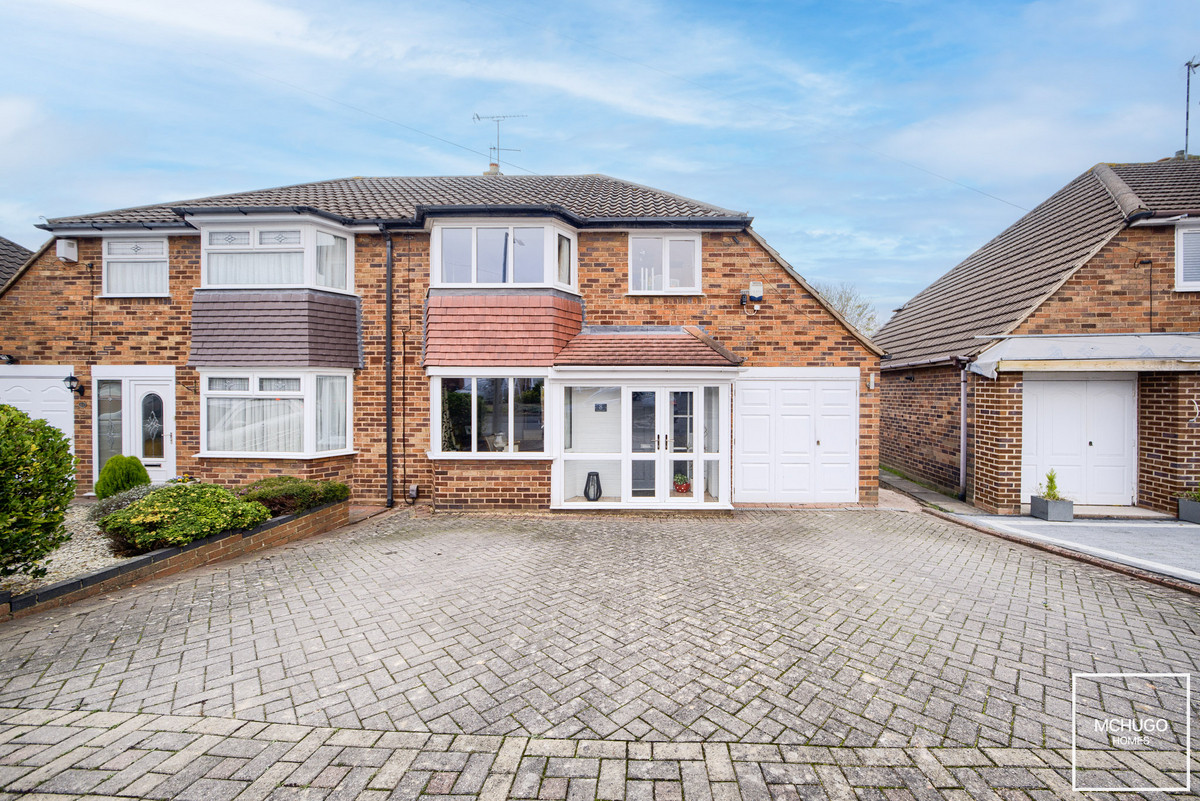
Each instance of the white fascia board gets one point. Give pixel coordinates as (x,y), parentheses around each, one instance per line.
(266,218)
(800,373)
(121,233)
(133,371)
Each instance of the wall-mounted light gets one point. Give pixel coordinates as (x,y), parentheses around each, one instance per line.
(9,358)
(74,385)
(910,377)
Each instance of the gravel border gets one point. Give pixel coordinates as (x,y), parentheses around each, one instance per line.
(88,550)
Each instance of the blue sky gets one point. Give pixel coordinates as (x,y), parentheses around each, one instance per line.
(874,142)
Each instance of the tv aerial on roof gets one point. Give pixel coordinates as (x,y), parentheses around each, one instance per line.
(494,150)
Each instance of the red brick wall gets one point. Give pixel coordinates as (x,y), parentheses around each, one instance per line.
(491,484)
(53,315)
(1115,293)
(920,424)
(1168,438)
(997,443)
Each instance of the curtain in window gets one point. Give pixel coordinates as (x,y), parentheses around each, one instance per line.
(256,268)
(256,425)
(136,277)
(331,260)
(331,412)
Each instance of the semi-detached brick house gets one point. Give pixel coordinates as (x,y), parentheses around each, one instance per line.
(1069,342)
(493,341)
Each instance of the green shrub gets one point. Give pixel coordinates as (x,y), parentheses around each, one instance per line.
(119,474)
(37,481)
(115,503)
(1192,495)
(181,513)
(286,495)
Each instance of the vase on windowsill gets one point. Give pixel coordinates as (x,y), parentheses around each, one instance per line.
(682,483)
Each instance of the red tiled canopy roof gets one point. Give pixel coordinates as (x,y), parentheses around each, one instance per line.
(644,347)
(498,330)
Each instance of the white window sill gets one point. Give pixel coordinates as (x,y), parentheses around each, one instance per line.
(683,293)
(293,456)
(112,297)
(281,287)
(521,456)
(1187,287)
(568,289)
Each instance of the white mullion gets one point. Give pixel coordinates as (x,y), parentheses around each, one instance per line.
(474,414)
(512,414)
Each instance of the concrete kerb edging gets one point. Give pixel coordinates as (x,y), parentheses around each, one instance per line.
(1078,556)
(166,561)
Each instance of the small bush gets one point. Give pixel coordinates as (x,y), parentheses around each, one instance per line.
(1192,495)
(179,514)
(287,495)
(115,503)
(37,481)
(119,474)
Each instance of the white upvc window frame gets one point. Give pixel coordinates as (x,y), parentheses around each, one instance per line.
(307,394)
(666,237)
(106,244)
(553,229)
(255,230)
(435,416)
(1187,242)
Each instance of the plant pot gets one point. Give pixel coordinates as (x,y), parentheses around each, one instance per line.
(1189,511)
(681,488)
(1054,511)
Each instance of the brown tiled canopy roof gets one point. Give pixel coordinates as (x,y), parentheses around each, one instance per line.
(645,346)
(583,197)
(493,330)
(12,256)
(1003,282)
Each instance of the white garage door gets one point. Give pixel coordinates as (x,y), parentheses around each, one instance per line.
(796,437)
(1085,429)
(38,390)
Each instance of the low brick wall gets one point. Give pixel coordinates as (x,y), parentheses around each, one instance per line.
(167,561)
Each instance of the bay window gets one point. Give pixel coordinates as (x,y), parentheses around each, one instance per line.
(294,414)
(497,254)
(277,255)
(136,267)
(488,415)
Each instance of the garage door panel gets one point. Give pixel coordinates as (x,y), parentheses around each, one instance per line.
(795,469)
(40,393)
(1084,430)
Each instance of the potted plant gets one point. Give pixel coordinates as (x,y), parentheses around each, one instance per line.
(1189,506)
(1048,504)
(682,483)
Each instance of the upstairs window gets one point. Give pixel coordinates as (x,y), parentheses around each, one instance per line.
(664,263)
(136,267)
(496,255)
(1187,258)
(298,255)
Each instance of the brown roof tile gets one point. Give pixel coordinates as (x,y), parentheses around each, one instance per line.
(526,329)
(609,346)
(12,256)
(399,199)
(1000,284)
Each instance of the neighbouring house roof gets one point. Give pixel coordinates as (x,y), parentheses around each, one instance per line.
(292,328)
(645,346)
(12,256)
(1002,283)
(1095,351)
(522,328)
(399,201)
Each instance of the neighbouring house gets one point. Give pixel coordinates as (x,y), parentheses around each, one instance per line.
(491,341)
(12,256)
(1069,343)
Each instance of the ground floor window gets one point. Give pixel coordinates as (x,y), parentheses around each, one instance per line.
(643,444)
(299,413)
(490,414)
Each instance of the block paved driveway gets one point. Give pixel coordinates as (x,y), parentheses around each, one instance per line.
(816,654)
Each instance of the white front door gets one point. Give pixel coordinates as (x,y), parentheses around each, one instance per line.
(39,391)
(796,439)
(135,416)
(1084,429)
